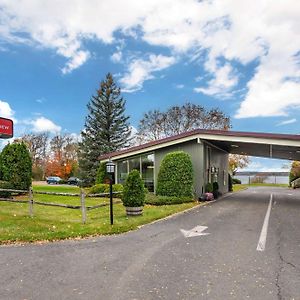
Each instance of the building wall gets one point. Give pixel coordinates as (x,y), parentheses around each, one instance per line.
(201,164)
(195,150)
(219,159)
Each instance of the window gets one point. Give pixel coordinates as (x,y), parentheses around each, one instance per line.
(148,171)
(122,171)
(134,164)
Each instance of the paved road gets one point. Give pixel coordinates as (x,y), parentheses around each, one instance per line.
(158,262)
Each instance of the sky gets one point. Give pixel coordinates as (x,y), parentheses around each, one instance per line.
(240,56)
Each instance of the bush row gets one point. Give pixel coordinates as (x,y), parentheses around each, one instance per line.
(104,188)
(152,199)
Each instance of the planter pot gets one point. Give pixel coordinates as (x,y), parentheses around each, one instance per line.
(134,211)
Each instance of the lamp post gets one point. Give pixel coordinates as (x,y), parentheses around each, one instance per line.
(110,169)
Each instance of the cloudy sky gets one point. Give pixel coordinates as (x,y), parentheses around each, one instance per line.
(241,56)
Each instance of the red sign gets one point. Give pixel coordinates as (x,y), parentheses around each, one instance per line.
(6,128)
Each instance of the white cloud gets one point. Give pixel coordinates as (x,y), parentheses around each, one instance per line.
(5,110)
(43,124)
(290,121)
(222,83)
(140,70)
(116,57)
(179,86)
(222,33)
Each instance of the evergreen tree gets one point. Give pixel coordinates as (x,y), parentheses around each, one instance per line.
(106,128)
(16,166)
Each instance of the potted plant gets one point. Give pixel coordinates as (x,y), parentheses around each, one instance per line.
(134,194)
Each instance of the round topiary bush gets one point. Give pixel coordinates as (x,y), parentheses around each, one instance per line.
(16,166)
(134,190)
(175,177)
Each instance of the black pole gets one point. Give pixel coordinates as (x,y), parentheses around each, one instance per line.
(111,202)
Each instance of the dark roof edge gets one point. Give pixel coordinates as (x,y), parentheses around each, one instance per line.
(201,131)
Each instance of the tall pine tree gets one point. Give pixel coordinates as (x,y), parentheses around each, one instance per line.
(106,128)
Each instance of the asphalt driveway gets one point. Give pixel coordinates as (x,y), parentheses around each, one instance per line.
(159,262)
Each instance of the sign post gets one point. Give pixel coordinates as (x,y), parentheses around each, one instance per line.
(6,128)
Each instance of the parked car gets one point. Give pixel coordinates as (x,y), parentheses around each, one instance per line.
(53,180)
(74,181)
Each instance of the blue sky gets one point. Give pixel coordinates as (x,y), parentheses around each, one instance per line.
(53,54)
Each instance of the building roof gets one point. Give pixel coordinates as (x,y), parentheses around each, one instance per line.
(248,143)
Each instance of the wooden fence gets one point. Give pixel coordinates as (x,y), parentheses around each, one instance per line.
(82,196)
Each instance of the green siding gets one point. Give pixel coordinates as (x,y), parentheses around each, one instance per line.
(195,150)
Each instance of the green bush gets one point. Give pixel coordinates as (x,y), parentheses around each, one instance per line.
(134,190)
(230,189)
(215,189)
(152,199)
(292,177)
(101,173)
(104,188)
(175,177)
(236,181)
(5,185)
(16,166)
(209,188)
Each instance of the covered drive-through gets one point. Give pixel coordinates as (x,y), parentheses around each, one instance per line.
(208,150)
(280,146)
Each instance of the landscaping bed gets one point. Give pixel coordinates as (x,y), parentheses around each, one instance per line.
(56,223)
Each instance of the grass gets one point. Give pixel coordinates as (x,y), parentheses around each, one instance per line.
(240,187)
(55,223)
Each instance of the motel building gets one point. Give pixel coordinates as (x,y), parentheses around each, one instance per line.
(208,150)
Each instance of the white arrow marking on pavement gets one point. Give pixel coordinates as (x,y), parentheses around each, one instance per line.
(264,231)
(196,231)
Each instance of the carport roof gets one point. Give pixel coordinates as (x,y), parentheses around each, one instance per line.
(272,145)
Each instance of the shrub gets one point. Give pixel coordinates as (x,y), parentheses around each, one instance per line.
(230,189)
(104,188)
(292,177)
(134,190)
(208,188)
(236,181)
(175,177)
(101,173)
(16,166)
(5,185)
(152,199)
(215,189)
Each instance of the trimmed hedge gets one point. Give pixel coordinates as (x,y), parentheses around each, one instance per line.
(166,200)
(104,188)
(175,177)
(16,166)
(134,190)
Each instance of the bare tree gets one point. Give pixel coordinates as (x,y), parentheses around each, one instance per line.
(37,144)
(178,119)
(237,161)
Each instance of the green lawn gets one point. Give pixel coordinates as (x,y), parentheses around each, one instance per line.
(55,223)
(240,187)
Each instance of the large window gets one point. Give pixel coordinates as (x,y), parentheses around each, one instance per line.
(144,164)
(122,171)
(148,171)
(134,164)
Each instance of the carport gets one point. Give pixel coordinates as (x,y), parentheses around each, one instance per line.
(279,146)
(209,151)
